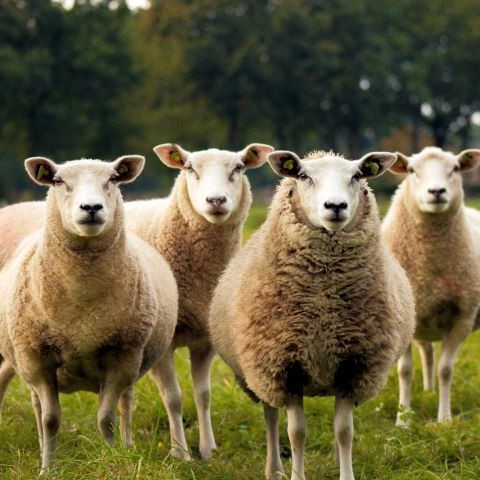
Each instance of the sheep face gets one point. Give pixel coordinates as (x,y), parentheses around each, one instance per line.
(329,185)
(214,177)
(85,191)
(433,177)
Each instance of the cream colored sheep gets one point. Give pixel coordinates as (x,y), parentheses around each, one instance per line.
(198,228)
(437,241)
(83,304)
(314,304)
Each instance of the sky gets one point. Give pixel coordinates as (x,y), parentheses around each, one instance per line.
(133,4)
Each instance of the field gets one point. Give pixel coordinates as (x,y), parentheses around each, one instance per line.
(426,451)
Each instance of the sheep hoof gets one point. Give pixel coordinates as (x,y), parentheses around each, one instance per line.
(181,454)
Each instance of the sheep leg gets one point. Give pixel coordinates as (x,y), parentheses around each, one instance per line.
(163,374)
(273,468)
(297,432)
(343,425)
(201,362)
(405,372)
(450,344)
(47,393)
(116,381)
(426,356)
(37,410)
(125,406)
(6,374)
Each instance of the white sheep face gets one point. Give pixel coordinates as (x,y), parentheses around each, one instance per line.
(434,179)
(85,190)
(214,177)
(329,185)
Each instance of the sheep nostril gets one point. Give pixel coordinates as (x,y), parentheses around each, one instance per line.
(91,208)
(216,201)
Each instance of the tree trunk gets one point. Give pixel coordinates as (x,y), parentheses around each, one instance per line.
(233,131)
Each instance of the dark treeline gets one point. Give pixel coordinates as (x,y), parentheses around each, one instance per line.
(99,80)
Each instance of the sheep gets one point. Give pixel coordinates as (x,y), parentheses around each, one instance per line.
(198,228)
(436,240)
(84,305)
(314,304)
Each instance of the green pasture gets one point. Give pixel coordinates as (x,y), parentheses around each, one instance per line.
(426,451)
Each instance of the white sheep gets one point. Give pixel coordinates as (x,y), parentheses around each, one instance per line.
(84,305)
(198,229)
(436,240)
(314,304)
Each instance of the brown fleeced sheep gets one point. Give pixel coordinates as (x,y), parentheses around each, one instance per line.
(314,304)
(436,239)
(84,305)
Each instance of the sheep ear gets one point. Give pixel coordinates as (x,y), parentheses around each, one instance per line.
(284,163)
(255,154)
(401,165)
(469,159)
(171,154)
(41,170)
(128,168)
(376,163)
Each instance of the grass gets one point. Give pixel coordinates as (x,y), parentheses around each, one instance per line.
(426,451)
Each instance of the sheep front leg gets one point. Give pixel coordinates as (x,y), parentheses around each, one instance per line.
(297,432)
(37,410)
(450,345)
(343,425)
(405,371)
(125,406)
(6,374)
(201,362)
(163,374)
(273,468)
(118,379)
(49,409)
(426,356)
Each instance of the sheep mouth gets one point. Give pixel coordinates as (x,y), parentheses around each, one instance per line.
(437,201)
(92,221)
(218,212)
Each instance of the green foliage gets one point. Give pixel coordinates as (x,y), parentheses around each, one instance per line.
(425,451)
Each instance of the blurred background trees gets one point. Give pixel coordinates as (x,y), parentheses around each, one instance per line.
(100,80)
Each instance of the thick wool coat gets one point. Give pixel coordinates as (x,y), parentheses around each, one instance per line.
(441,254)
(303,311)
(82,306)
(196,250)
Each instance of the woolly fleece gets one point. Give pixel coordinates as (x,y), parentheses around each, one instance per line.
(196,250)
(303,311)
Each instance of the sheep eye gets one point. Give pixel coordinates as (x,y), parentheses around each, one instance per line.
(237,169)
(302,176)
(456,168)
(57,181)
(356,177)
(410,170)
(191,170)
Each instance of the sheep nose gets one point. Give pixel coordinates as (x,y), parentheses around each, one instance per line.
(92,209)
(216,201)
(336,207)
(437,191)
